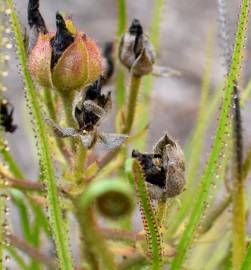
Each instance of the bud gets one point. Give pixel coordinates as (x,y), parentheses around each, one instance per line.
(135,50)
(164,169)
(65,60)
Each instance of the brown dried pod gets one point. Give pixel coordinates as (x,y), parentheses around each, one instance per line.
(164,169)
(136,51)
(89,108)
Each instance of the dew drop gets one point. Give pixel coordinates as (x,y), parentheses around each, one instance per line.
(7,30)
(7,258)
(9,46)
(8,11)
(5,73)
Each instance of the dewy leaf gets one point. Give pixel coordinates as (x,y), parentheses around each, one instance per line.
(208,174)
(56,221)
(149,219)
(238,193)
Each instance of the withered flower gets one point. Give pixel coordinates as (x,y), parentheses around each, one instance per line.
(164,169)
(136,51)
(89,108)
(6,116)
(108,61)
(66,60)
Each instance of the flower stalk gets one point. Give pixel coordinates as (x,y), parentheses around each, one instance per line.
(132,101)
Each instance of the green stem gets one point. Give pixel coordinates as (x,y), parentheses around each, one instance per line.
(132,100)
(67,99)
(239,225)
(53,115)
(214,215)
(120,76)
(120,87)
(2,220)
(50,103)
(94,246)
(161,211)
(80,163)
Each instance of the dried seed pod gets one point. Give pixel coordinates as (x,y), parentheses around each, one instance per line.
(66,60)
(164,169)
(89,108)
(135,50)
(6,116)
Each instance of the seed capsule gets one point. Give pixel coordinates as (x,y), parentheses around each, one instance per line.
(135,50)
(164,169)
(65,60)
(89,108)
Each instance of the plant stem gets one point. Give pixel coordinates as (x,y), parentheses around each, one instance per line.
(67,99)
(214,215)
(120,76)
(31,251)
(2,221)
(161,211)
(131,106)
(53,115)
(238,194)
(80,163)
(94,246)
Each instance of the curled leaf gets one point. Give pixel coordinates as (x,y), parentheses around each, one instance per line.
(114,198)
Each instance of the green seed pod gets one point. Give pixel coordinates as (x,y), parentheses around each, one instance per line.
(66,60)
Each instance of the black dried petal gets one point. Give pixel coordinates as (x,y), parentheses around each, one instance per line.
(61,41)
(108,55)
(153,174)
(6,115)
(93,92)
(136,29)
(86,119)
(35,18)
